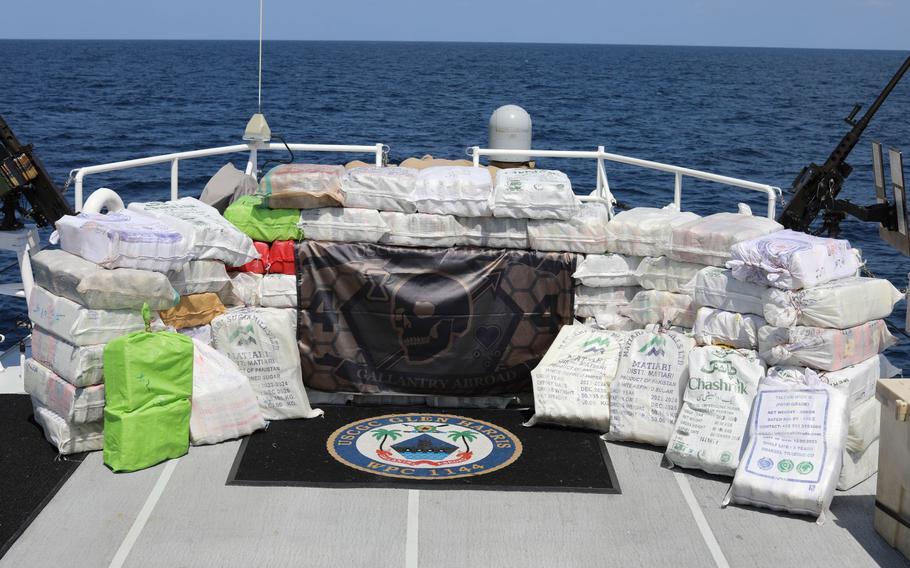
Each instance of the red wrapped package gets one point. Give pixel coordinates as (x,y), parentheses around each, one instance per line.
(281,258)
(258,266)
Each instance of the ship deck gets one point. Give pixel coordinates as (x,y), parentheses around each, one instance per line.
(181,513)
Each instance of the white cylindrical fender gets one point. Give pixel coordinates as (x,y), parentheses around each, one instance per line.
(103,198)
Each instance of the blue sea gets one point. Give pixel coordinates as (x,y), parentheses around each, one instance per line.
(759,114)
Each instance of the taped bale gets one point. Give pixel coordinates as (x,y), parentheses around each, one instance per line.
(281,258)
(420,229)
(197,277)
(645,231)
(533,194)
(74,404)
(79,366)
(383,189)
(345,225)
(585,232)
(68,438)
(708,240)
(260,223)
(717,327)
(141,439)
(78,325)
(607,270)
(662,308)
(302,186)
(662,273)
(716,287)
(833,304)
(193,310)
(453,190)
(491,232)
(821,348)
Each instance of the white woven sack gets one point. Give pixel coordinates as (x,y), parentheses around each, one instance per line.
(493,233)
(793,459)
(659,307)
(858,467)
(246,289)
(262,342)
(661,273)
(420,230)
(791,260)
(607,270)
(454,190)
(199,277)
(343,224)
(591,301)
(612,320)
(385,189)
(224,405)
(717,327)
(716,287)
(644,231)
(864,426)
(78,325)
(823,349)
(212,237)
(708,434)
(533,194)
(572,380)
(68,438)
(858,381)
(79,366)
(278,291)
(585,232)
(125,239)
(647,391)
(839,304)
(74,404)
(92,286)
(708,240)
(200,333)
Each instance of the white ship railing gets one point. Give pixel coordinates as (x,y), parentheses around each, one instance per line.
(174,159)
(602,185)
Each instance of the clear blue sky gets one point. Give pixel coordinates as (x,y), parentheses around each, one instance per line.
(863,24)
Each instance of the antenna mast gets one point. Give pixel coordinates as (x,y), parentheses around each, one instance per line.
(260,57)
(257,129)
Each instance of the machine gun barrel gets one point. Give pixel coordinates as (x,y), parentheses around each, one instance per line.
(816,186)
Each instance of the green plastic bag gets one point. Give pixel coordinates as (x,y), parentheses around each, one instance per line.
(142,438)
(148,381)
(250,215)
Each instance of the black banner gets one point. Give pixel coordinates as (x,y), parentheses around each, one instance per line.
(458,321)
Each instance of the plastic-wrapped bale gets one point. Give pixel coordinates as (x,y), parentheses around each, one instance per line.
(246,289)
(858,467)
(344,225)
(148,378)
(224,405)
(260,223)
(659,307)
(302,186)
(839,304)
(857,382)
(259,265)
(68,438)
(211,236)
(453,190)
(193,310)
(572,380)
(420,229)
(661,273)
(591,301)
(198,277)
(78,325)
(278,291)
(491,232)
(612,321)
(821,348)
(864,426)
(79,366)
(585,232)
(76,405)
(645,231)
(125,239)
(716,287)
(795,447)
(92,286)
(262,342)
(709,431)
(791,260)
(281,258)
(385,189)
(533,194)
(647,391)
(608,270)
(718,327)
(708,240)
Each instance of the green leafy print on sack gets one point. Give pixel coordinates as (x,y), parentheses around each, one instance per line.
(244,335)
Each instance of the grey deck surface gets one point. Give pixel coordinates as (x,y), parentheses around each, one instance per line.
(199,521)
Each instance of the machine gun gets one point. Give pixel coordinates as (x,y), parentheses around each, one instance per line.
(23,175)
(816,187)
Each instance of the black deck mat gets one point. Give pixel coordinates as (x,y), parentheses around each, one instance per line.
(295,453)
(30,470)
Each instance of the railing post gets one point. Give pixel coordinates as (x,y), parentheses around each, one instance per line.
(677,191)
(175,173)
(475,151)
(252,163)
(378,155)
(77,191)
